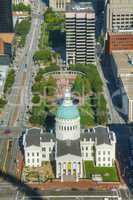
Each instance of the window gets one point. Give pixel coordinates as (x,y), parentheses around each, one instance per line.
(108,164)
(32,154)
(33,160)
(43,155)
(103,152)
(28,160)
(99,159)
(37,154)
(108,158)
(86,154)
(86,148)
(99,165)
(68,128)
(108,152)
(37,160)
(65,128)
(28,154)
(43,149)
(99,152)
(83,148)
(49,149)
(103,158)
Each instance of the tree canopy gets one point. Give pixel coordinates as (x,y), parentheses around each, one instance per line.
(21,7)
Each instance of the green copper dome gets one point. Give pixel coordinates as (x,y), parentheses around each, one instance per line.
(67,110)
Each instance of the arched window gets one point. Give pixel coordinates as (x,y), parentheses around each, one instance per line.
(68,128)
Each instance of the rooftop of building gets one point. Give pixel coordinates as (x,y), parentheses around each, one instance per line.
(124,62)
(68,147)
(35,136)
(80,6)
(120,2)
(4,60)
(67,110)
(121,31)
(99,134)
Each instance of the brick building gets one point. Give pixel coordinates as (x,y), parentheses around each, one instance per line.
(120,41)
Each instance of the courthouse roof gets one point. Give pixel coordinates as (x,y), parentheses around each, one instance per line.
(68,147)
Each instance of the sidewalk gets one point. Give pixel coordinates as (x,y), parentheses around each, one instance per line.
(82,184)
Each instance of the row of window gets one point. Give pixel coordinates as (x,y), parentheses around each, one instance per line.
(33,154)
(33,160)
(50,149)
(104,159)
(86,148)
(67,128)
(87,155)
(104,152)
(103,165)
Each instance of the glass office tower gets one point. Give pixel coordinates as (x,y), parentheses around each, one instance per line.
(6,21)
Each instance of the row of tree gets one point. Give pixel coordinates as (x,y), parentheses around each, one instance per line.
(21,7)
(21,30)
(89,85)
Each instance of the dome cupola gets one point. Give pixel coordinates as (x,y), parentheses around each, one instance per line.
(67,119)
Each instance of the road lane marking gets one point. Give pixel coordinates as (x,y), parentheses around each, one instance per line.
(3,169)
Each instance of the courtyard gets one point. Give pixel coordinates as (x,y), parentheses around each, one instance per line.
(38,174)
(108,174)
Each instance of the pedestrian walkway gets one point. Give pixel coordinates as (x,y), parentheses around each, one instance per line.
(82,184)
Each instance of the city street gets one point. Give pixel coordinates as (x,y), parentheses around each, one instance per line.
(15,193)
(19,98)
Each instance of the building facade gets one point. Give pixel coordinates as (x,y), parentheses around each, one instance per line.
(80,33)
(119,25)
(58,5)
(122,65)
(70,146)
(120,41)
(6,22)
(118,15)
(26,2)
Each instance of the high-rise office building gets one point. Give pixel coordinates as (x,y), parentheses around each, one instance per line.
(6,22)
(118,15)
(119,25)
(80,33)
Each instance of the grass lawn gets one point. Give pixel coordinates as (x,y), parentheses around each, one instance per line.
(109,174)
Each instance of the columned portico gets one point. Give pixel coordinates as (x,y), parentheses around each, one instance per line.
(71,169)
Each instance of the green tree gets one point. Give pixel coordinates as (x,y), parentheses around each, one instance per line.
(2,102)
(42,55)
(54,20)
(51,86)
(86,115)
(21,7)
(9,80)
(38,87)
(36,99)
(51,68)
(102,115)
(78,85)
(22,30)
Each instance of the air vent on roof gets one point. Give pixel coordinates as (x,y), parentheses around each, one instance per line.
(130,59)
